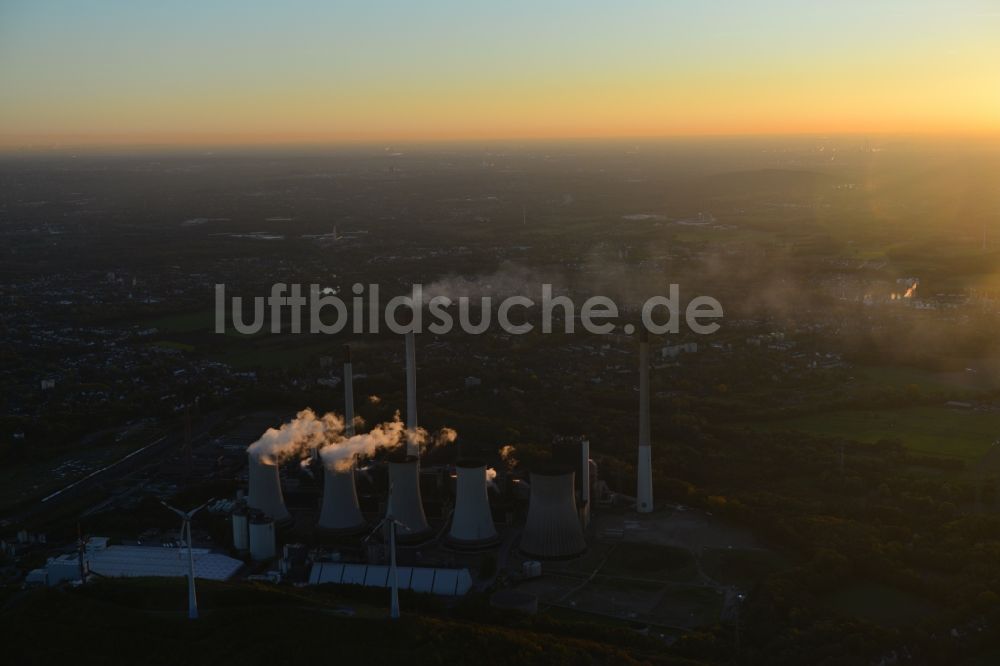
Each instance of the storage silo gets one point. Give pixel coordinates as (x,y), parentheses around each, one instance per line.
(241,527)
(552,529)
(262,537)
(472,521)
(265,489)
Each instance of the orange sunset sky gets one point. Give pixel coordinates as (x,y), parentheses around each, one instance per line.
(315,72)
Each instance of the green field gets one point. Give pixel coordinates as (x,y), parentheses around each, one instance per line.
(132,621)
(934,430)
(986,377)
(739,566)
(651,561)
(880,604)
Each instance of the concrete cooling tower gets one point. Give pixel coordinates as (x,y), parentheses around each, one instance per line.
(405,503)
(553,528)
(472,522)
(340,512)
(265,490)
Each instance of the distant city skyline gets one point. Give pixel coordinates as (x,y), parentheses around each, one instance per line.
(230,73)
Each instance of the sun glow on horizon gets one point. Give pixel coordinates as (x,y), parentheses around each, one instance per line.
(224,73)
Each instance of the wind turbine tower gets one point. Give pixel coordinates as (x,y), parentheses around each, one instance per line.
(186,536)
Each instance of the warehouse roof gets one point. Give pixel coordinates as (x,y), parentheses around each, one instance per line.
(444,582)
(132,561)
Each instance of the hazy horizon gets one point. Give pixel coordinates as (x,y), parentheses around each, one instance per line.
(223,73)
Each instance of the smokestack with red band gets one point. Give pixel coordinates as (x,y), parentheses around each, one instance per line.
(265,489)
(348,393)
(644,491)
(412,448)
(472,522)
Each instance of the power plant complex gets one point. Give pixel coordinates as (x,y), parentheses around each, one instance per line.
(380,481)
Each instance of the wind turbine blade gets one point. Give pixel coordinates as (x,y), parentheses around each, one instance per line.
(194,511)
(177,511)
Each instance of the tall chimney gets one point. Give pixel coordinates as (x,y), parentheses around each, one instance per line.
(348,393)
(585,480)
(412,449)
(644,491)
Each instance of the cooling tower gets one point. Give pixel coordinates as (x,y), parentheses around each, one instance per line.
(265,489)
(340,511)
(644,490)
(412,449)
(262,544)
(405,504)
(573,453)
(241,534)
(472,521)
(348,393)
(553,528)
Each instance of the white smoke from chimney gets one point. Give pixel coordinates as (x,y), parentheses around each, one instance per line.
(291,439)
(340,453)
(507,455)
(337,451)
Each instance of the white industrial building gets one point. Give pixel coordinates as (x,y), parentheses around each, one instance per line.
(444,582)
(134,561)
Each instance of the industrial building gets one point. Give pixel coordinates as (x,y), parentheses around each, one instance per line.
(440,581)
(459,516)
(106,561)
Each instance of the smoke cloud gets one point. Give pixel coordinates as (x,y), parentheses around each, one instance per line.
(326,433)
(507,455)
(340,455)
(303,432)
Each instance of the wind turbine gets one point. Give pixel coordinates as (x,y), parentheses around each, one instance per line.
(391,522)
(186,535)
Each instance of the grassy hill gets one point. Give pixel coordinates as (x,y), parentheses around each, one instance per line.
(141,621)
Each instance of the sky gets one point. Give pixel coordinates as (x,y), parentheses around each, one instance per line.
(247,72)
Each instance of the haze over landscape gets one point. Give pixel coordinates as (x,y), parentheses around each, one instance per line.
(520,333)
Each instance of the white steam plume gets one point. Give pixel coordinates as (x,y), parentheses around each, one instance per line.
(291,439)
